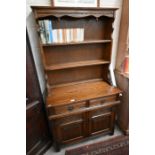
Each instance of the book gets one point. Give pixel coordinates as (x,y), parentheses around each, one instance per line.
(50,31)
(55,38)
(42,31)
(68,39)
(71,34)
(64,35)
(74,35)
(60,36)
(81,34)
(78,35)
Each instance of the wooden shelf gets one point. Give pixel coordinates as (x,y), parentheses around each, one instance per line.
(80,92)
(78,43)
(76,64)
(75,83)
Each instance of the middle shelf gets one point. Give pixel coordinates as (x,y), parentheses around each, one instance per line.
(76,64)
(77,43)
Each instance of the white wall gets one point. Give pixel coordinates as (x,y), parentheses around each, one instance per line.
(30,23)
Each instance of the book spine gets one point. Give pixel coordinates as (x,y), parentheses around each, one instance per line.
(42,32)
(78,34)
(60,36)
(68,35)
(64,35)
(81,34)
(54,32)
(46,22)
(50,31)
(74,35)
(71,35)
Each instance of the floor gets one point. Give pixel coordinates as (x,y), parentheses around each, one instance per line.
(86,142)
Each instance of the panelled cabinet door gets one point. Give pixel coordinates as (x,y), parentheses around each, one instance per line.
(71,128)
(101,120)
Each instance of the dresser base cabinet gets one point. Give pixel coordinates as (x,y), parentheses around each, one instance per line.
(83,119)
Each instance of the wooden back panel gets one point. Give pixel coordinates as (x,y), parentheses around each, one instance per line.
(95,28)
(75,53)
(77,74)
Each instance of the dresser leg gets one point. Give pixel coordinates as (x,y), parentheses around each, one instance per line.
(112,132)
(57,146)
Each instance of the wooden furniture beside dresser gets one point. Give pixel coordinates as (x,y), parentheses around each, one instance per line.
(122,78)
(80,100)
(38,138)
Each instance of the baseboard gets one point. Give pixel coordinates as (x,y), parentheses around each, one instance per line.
(40,148)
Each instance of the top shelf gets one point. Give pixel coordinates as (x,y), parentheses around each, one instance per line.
(78,43)
(77,12)
(74,8)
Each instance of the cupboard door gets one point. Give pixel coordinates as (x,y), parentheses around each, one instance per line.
(101,120)
(70,128)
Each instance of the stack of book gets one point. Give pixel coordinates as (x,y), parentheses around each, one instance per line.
(49,35)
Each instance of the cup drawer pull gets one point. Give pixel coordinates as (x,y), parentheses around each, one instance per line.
(70,108)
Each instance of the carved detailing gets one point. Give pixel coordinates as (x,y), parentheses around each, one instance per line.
(43,13)
(112,27)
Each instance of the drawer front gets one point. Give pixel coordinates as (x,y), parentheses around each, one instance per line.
(101,101)
(100,111)
(67,108)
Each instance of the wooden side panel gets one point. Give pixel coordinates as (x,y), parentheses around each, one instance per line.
(123,109)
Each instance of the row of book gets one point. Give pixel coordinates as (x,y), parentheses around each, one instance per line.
(49,35)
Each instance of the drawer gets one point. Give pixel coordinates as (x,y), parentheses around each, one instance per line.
(69,119)
(68,108)
(101,101)
(100,111)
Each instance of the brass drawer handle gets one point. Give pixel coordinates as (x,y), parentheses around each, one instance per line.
(120,94)
(70,108)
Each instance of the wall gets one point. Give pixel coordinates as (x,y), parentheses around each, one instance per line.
(35,42)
